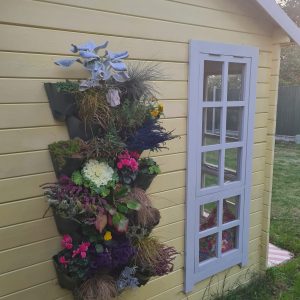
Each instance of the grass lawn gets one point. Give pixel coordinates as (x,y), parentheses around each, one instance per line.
(282,282)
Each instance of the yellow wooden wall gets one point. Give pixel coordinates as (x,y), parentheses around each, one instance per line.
(35,33)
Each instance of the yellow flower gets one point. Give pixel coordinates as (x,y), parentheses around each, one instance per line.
(160,107)
(154,113)
(107,236)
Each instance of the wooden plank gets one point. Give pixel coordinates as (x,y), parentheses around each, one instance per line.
(256,205)
(168,198)
(32,90)
(42,66)
(259,150)
(24,278)
(257,191)
(256,218)
(25,256)
(160,10)
(258,178)
(26,115)
(173,162)
(260,135)
(170,231)
(16,12)
(258,164)
(168,181)
(45,291)
(22,211)
(30,139)
(261,120)
(20,164)
(28,186)
(25,233)
(171,215)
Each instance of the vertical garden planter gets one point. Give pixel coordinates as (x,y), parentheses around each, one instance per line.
(62,104)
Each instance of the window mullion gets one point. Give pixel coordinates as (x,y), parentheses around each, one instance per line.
(223,121)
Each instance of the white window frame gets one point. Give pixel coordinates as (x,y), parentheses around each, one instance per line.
(198,52)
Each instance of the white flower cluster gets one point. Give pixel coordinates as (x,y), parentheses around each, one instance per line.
(100,173)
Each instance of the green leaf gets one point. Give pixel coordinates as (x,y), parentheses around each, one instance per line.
(77,178)
(122,208)
(99,248)
(134,205)
(117,218)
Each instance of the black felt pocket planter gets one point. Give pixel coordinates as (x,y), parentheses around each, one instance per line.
(62,104)
(144,181)
(71,164)
(63,279)
(66,225)
(78,129)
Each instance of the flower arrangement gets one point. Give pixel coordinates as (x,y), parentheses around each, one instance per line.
(100,205)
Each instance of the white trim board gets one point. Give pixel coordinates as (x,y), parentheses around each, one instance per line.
(281,18)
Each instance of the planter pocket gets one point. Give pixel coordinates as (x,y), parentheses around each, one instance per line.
(66,225)
(77,129)
(64,280)
(62,104)
(143,181)
(71,164)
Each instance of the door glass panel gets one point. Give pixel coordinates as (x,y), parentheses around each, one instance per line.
(229,239)
(212,80)
(232,165)
(211,121)
(210,169)
(235,82)
(208,247)
(231,208)
(208,215)
(234,124)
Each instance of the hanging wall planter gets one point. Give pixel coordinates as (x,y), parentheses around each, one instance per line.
(99,202)
(62,104)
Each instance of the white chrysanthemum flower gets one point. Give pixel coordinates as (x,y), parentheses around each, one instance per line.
(100,173)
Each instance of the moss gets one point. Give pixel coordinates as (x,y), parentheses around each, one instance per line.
(62,149)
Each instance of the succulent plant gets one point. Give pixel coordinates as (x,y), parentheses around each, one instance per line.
(110,65)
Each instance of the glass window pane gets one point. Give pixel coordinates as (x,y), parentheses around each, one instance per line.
(234,124)
(210,169)
(211,121)
(208,215)
(208,247)
(232,165)
(235,82)
(229,239)
(231,208)
(212,80)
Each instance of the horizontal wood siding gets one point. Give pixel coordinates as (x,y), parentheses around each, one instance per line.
(33,35)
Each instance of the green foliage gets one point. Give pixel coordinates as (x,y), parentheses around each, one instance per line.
(285,224)
(67,86)
(107,146)
(62,149)
(148,166)
(130,116)
(77,178)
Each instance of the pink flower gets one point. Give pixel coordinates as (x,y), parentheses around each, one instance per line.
(81,250)
(135,155)
(67,242)
(133,164)
(119,165)
(63,261)
(83,254)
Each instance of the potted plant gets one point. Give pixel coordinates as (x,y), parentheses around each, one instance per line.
(72,263)
(67,156)
(148,170)
(127,165)
(62,98)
